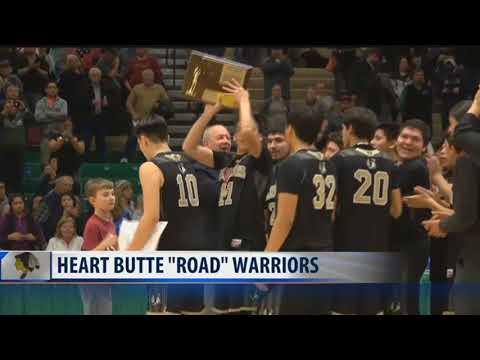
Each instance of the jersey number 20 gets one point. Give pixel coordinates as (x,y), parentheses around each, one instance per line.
(380,187)
(192,191)
(321,183)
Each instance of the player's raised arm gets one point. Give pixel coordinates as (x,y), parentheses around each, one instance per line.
(192,145)
(152,180)
(247,128)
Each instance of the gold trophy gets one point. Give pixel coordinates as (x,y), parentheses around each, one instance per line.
(206,74)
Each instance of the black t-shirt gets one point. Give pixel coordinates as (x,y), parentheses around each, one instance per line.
(180,204)
(308,175)
(240,208)
(408,227)
(366,178)
(69,161)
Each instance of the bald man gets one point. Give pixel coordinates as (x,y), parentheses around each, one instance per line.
(146,96)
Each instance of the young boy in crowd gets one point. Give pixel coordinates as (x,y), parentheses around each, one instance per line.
(99,235)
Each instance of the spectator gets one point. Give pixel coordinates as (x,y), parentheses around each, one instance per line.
(43,53)
(341,62)
(109,64)
(67,147)
(312,59)
(13,140)
(71,208)
(66,237)
(136,66)
(143,99)
(277,69)
(365,83)
(34,73)
(417,101)
(323,98)
(137,214)
(124,207)
(90,58)
(49,176)
(469,57)
(50,111)
(311,97)
(37,203)
(276,105)
(73,87)
(4,207)
(52,209)
(18,230)
(101,98)
(402,77)
(8,78)
(450,85)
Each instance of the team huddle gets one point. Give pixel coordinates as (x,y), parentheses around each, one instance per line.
(284,194)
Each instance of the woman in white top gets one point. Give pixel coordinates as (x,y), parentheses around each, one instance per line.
(66,238)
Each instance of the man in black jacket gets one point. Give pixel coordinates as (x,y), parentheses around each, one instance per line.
(417,100)
(277,70)
(73,87)
(365,84)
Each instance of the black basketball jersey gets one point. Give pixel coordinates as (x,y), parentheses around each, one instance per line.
(179,204)
(270,205)
(366,178)
(240,211)
(408,228)
(308,175)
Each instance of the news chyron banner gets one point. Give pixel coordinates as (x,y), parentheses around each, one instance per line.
(199,267)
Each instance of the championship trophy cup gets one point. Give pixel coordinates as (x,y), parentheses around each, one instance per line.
(206,74)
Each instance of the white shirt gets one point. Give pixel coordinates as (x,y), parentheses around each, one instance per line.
(56,244)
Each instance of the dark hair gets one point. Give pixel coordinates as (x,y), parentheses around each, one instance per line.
(420,126)
(51,82)
(276,125)
(306,122)
(450,139)
(459,110)
(154,127)
(390,129)
(71,197)
(335,137)
(363,121)
(11,220)
(417,70)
